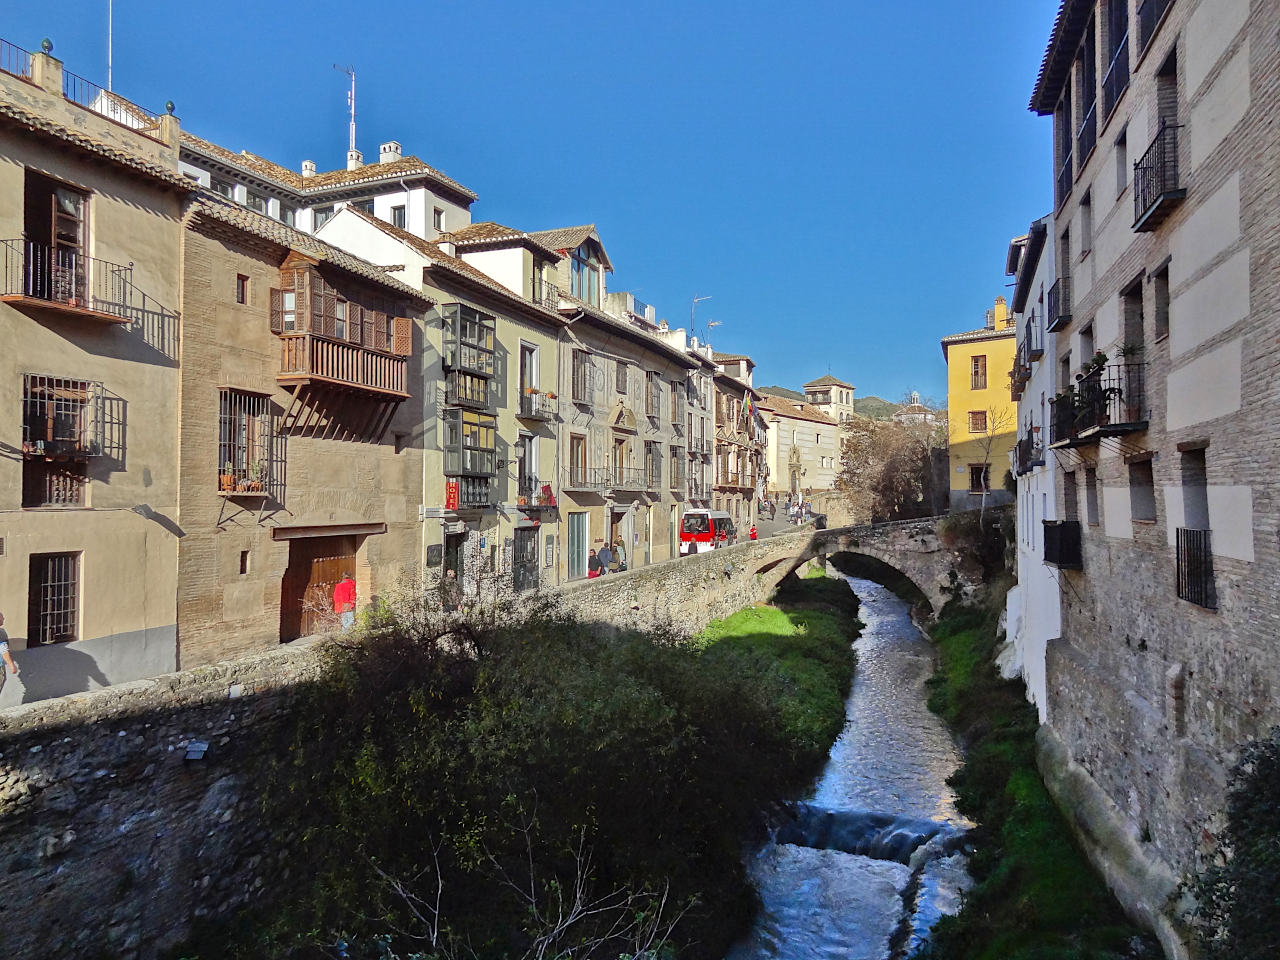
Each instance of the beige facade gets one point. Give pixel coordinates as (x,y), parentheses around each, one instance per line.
(803,448)
(741,469)
(832,397)
(301,448)
(90,207)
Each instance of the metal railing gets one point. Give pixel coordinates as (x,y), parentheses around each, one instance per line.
(1150,13)
(628,478)
(63,418)
(1155,176)
(593,479)
(537,406)
(532,492)
(1195,568)
(546,294)
(1062,544)
(1029,453)
(1033,338)
(14,60)
(1116,80)
(1063,183)
(309,355)
(103,102)
(1059,306)
(474,492)
(1112,397)
(1087,135)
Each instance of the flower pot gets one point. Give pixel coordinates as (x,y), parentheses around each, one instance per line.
(242,486)
(226,481)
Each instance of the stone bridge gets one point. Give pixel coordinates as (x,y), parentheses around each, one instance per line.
(692,591)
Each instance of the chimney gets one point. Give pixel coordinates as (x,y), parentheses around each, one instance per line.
(447,247)
(308,168)
(355,159)
(389,152)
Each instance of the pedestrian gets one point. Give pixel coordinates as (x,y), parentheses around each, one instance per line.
(344,601)
(450,591)
(773,510)
(619,558)
(593,566)
(5,654)
(606,558)
(752,532)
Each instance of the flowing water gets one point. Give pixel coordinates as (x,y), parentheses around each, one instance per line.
(864,867)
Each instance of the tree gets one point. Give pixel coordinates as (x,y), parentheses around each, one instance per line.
(889,468)
(998,422)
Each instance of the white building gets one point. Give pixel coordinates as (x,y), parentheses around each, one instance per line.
(1032,606)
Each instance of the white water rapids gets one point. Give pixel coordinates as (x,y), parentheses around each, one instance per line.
(869,862)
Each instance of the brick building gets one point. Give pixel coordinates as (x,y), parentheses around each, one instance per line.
(1166,311)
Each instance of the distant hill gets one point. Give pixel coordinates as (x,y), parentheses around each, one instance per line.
(782,392)
(874,408)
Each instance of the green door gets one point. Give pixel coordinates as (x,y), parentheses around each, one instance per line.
(577,545)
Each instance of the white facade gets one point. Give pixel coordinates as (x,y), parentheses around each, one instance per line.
(1032,608)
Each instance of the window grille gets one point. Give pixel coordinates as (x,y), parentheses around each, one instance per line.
(247,443)
(62,418)
(52,484)
(53,598)
(581,376)
(653,395)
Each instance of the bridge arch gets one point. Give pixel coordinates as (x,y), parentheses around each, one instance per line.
(871,565)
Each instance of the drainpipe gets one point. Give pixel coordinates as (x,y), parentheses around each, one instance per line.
(560,339)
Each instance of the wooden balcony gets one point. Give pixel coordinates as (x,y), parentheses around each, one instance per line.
(313,360)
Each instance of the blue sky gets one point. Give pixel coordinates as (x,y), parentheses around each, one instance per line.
(841,178)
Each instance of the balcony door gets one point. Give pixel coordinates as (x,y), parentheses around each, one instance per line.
(578,538)
(56,231)
(524,568)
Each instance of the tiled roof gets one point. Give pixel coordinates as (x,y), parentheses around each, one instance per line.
(14,114)
(783,407)
(211,206)
(486,232)
(1068,27)
(971,336)
(571,304)
(455,265)
(827,380)
(327,180)
(721,357)
(571,238)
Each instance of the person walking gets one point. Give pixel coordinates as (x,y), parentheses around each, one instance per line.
(619,558)
(450,591)
(606,558)
(5,654)
(344,601)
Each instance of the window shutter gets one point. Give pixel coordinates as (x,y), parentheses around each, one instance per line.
(402,336)
(355,322)
(277,310)
(367,318)
(330,313)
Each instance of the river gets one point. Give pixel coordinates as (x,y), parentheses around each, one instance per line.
(870,860)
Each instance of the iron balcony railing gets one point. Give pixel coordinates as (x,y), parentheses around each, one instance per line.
(1087,135)
(71,281)
(1062,544)
(14,60)
(64,419)
(114,107)
(628,478)
(537,406)
(697,489)
(1108,400)
(533,492)
(1116,81)
(1029,453)
(1063,184)
(474,492)
(1150,13)
(592,479)
(1033,338)
(546,294)
(1155,180)
(1195,567)
(307,357)
(1059,307)
(1062,419)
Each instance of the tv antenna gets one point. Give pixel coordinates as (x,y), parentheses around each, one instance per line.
(350,71)
(692,307)
(109,43)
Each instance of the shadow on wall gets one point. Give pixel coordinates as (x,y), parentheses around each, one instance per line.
(52,671)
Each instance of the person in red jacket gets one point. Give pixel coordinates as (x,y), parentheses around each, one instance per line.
(344,601)
(753,531)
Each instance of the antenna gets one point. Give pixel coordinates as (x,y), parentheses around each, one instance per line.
(350,71)
(692,306)
(109,25)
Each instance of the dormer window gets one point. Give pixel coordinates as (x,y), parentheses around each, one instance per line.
(586,275)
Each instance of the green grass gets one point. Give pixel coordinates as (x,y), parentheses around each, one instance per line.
(1036,897)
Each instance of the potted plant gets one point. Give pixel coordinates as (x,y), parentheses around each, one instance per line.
(255,475)
(1098,361)
(551,396)
(226,480)
(531,391)
(1130,350)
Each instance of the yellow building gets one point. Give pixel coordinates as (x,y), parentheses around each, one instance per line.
(982,417)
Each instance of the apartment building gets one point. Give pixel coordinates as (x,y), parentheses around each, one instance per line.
(832,396)
(1166,310)
(700,422)
(491,410)
(300,453)
(741,468)
(1032,606)
(90,221)
(802,448)
(981,417)
(402,190)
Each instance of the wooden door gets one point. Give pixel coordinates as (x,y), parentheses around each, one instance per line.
(316,564)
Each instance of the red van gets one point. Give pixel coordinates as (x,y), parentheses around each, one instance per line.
(702,530)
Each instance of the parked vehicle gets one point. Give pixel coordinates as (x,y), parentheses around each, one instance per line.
(703,530)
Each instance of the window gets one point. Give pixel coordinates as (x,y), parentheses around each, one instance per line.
(1091,513)
(1195,490)
(1142,492)
(469,341)
(469,442)
(1131,316)
(1160,283)
(242,288)
(54,484)
(585,277)
(979,477)
(1064,369)
(577,460)
(677,467)
(437,219)
(1070,496)
(397,216)
(244,562)
(1122,161)
(1086,343)
(620,377)
(528,368)
(978,373)
(62,419)
(365,205)
(257,202)
(340,319)
(323,215)
(288,214)
(1087,66)
(652,465)
(53,598)
(581,376)
(289,310)
(677,403)
(652,394)
(223,188)
(977,421)
(1086,223)
(245,439)
(1116,80)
